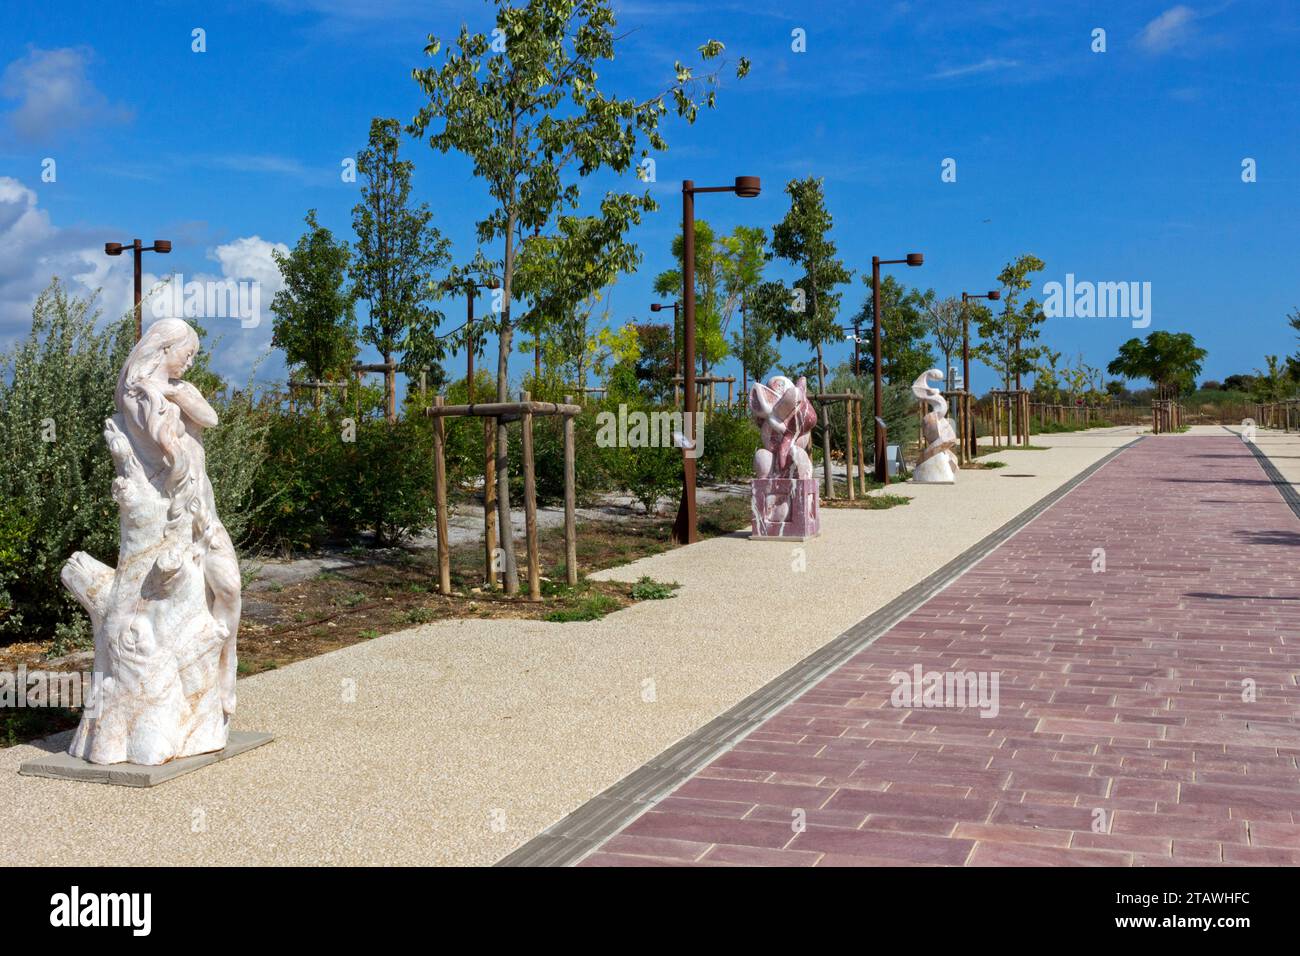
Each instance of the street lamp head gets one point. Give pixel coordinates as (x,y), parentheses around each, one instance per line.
(995,295)
(162,245)
(113,248)
(915,258)
(656,307)
(747,186)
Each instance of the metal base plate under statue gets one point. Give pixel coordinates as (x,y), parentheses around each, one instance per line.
(785,509)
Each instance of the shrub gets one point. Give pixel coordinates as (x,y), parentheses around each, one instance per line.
(548,460)
(331,475)
(56,390)
(730,440)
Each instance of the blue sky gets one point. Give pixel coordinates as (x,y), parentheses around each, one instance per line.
(1117,166)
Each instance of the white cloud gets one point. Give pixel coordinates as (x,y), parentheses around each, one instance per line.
(1170,30)
(54,95)
(987,65)
(36,250)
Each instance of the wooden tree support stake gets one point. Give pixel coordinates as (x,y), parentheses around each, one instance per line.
(440,486)
(530,503)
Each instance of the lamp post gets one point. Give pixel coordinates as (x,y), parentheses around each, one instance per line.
(685,530)
(911,259)
(970,439)
(162,246)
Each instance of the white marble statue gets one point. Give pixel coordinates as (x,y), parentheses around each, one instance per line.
(166,617)
(938,464)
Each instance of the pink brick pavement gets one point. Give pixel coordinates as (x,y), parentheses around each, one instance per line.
(1122,736)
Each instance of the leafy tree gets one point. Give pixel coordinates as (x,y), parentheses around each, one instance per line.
(944,323)
(1004,335)
(561,276)
(753,346)
(904,352)
(806,311)
(654,364)
(1169,360)
(710,284)
(315,319)
(528,109)
(398,250)
(728,269)
(1048,378)
(1273,384)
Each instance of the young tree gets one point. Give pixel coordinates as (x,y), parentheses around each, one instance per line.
(315,320)
(904,352)
(654,364)
(753,346)
(528,107)
(710,343)
(561,277)
(1004,335)
(1274,383)
(944,322)
(806,312)
(1169,360)
(398,250)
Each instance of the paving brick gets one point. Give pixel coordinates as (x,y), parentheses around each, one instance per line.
(1118,691)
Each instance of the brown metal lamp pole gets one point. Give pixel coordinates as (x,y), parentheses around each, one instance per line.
(685,530)
(163,246)
(912,259)
(970,439)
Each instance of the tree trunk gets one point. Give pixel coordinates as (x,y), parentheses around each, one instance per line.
(390,388)
(505,532)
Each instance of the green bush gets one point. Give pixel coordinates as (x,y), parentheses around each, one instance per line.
(56,390)
(730,440)
(647,474)
(548,460)
(330,475)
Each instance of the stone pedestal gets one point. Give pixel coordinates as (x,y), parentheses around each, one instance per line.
(785,509)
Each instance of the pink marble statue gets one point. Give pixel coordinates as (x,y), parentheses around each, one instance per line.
(785,493)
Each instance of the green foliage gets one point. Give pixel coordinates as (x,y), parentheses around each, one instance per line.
(754,347)
(548,458)
(807,311)
(648,589)
(398,250)
(56,391)
(319,486)
(904,318)
(730,440)
(591,608)
(897,402)
(315,321)
(1169,360)
(1006,336)
(1274,383)
(646,473)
